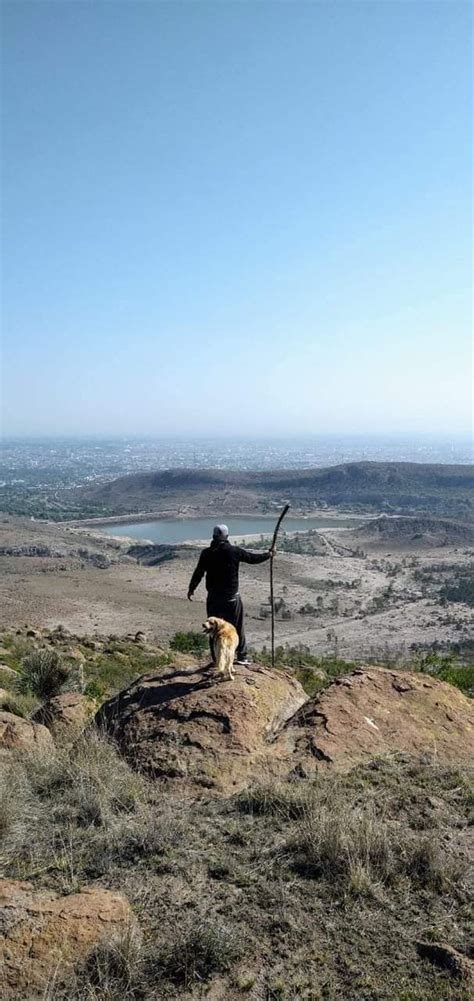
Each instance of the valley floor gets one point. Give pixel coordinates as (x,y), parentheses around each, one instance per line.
(357,602)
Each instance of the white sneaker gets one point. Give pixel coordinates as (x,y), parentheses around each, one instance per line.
(243,663)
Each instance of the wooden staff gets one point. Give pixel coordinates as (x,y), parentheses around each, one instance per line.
(272,597)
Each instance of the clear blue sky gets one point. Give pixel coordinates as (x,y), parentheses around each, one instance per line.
(236,217)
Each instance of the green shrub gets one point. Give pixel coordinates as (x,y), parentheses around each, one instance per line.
(446,668)
(43,673)
(190,642)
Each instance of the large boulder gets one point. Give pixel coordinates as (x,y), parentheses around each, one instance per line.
(373,712)
(44,934)
(17,733)
(70,711)
(189,726)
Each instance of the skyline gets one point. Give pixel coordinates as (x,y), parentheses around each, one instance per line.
(226,219)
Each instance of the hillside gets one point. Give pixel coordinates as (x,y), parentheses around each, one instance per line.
(393,486)
(242,841)
(412,533)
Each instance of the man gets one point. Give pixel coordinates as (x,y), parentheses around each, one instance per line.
(220,562)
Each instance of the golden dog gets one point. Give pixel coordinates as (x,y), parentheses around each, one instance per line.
(225,640)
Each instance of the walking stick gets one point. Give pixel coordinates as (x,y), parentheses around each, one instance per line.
(272,598)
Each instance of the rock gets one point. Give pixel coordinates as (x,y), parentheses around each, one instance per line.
(75,653)
(4,669)
(186,725)
(44,935)
(5,696)
(373,712)
(189,726)
(443,955)
(71,710)
(22,734)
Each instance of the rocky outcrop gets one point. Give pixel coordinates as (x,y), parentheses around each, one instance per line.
(187,725)
(151,555)
(99,560)
(44,935)
(34,550)
(17,733)
(406,532)
(373,712)
(71,710)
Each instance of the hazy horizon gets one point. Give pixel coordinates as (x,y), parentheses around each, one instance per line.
(257,437)
(113,455)
(234,219)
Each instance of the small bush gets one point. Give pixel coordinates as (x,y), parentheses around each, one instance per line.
(446,668)
(199,950)
(190,642)
(111,972)
(288,800)
(313,672)
(336,838)
(113,965)
(20,705)
(43,674)
(426,866)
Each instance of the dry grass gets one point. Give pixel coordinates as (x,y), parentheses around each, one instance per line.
(77,812)
(201,947)
(111,972)
(342,832)
(301,890)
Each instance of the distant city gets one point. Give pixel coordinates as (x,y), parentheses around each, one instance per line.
(43,463)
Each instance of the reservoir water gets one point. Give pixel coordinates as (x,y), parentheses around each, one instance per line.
(175,530)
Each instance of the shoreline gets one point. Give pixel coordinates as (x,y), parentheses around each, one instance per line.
(132,519)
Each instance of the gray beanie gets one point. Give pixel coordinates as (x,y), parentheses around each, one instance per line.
(220,532)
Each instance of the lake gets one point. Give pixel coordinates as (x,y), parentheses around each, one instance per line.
(175,530)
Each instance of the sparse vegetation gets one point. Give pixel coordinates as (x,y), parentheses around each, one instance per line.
(201,948)
(314,673)
(243,891)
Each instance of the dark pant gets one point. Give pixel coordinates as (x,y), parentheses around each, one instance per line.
(232,610)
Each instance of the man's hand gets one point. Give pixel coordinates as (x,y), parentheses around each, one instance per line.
(272,552)
(190,596)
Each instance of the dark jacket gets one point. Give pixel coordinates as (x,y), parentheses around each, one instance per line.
(220,562)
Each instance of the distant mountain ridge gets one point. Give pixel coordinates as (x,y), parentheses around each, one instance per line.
(393,486)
